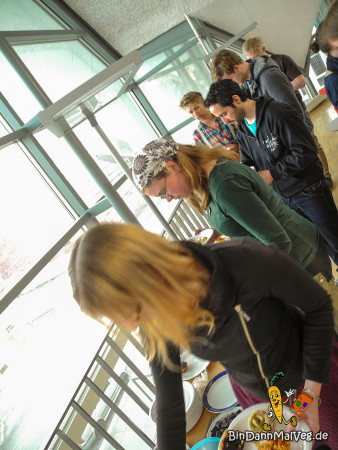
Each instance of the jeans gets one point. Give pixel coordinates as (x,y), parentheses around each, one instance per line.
(316,204)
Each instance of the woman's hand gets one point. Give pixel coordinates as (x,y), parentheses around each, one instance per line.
(311,415)
(214,235)
(233,147)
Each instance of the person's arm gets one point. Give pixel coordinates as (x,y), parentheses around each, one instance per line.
(244,154)
(292,71)
(171,425)
(277,85)
(295,136)
(298,82)
(237,198)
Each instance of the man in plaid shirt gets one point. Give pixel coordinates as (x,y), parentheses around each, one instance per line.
(211,130)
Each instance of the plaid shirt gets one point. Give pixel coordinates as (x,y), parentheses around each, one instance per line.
(221,136)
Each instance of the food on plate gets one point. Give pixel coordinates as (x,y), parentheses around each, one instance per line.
(202,240)
(256,420)
(223,239)
(273,445)
(225,444)
(223,424)
(184,366)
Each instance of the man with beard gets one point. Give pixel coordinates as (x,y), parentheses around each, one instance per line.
(274,140)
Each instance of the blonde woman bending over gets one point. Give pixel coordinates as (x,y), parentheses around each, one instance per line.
(247,305)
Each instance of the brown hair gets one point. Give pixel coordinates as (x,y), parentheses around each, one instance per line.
(189,98)
(192,159)
(330,27)
(253,46)
(223,64)
(118,269)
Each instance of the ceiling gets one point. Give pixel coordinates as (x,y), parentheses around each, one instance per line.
(285,25)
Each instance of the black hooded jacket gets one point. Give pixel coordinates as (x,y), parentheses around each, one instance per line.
(282,145)
(284,323)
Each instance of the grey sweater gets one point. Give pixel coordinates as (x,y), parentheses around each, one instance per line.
(268,79)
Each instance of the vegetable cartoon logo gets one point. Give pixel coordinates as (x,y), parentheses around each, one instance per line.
(276,405)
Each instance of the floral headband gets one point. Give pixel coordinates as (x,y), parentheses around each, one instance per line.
(151,160)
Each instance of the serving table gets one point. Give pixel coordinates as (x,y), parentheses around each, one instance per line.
(197,433)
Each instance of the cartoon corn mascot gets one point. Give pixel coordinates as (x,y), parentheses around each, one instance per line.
(276,405)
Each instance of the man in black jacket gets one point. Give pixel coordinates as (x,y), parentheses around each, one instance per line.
(255,47)
(275,141)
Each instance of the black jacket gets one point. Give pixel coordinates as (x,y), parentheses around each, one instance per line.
(282,145)
(273,335)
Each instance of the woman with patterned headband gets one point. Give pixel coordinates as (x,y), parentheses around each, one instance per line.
(237,201)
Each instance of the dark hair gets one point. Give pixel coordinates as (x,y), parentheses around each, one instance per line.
(222,91)
(319,43)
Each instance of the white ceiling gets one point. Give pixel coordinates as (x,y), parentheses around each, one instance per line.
(285,25)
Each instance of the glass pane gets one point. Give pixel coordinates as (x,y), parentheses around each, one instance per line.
(129,130)
(25,15)
(185,135)
(165,88)
(152,62)
(139,208)
(70,165)
(36,219)
(47,346)
(16,92)
(70,63)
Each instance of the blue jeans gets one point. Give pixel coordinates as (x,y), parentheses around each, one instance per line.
(316,203)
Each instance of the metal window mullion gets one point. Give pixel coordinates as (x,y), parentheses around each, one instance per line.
(166,61)
(186,219)
(189,211)
(180,221)
(120,413)
(196,32)
(129,363)
(153,117)
(177,230)
(197,218)
(97,427)
(24,73)
(231,40)
(31,37)
(134,341)
(42,262)
(67,440)
(181,125)
(99,177)
(44,161)
(123,385)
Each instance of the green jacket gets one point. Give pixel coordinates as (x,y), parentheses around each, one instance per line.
(244,205)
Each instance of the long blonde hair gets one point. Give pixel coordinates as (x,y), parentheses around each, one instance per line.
(117,269)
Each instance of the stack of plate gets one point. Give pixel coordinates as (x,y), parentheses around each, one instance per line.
(219,396)
(193,406)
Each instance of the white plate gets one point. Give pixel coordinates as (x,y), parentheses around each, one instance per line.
(207,233)
(193,406)
(195,365)
(240,423)
(222,416)
(219,396)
